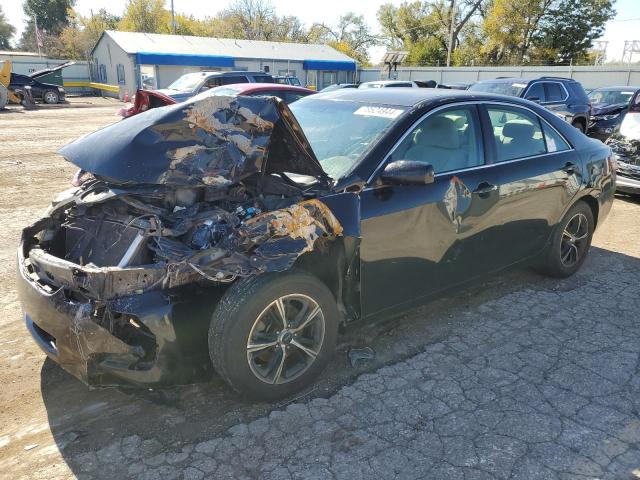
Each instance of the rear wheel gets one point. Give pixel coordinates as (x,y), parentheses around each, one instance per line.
(272,334)
(570,243)
(50,96)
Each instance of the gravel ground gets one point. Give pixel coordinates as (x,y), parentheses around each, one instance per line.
(521,377)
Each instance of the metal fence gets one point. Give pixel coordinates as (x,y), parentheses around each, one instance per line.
(589,76)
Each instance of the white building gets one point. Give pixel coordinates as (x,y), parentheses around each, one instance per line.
(127,59)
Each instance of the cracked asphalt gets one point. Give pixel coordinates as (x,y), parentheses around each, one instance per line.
(546,385)
(522,377)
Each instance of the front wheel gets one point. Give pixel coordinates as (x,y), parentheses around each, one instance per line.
(51,97)
(570,242)
(272,334)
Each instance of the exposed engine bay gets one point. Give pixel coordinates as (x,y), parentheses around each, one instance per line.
(131,240)
(212,189)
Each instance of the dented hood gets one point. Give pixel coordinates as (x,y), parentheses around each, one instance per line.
(209,140)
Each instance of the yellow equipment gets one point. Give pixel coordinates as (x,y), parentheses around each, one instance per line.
(6,95)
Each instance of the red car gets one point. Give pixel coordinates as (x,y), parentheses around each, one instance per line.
(147,99)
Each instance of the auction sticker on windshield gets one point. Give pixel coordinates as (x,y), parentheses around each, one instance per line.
(384,112)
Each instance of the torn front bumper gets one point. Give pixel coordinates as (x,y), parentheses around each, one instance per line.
(150,338)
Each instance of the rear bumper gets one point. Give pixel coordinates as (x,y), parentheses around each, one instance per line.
(151,338)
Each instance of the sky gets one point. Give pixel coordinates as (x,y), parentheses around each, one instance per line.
(625,26)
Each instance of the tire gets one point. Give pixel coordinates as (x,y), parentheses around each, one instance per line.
(50,97)
(580,125)
(565,254)
(249,310)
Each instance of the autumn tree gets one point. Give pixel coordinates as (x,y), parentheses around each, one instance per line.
(52,17)
(351,35)
(148,16)
(78,39)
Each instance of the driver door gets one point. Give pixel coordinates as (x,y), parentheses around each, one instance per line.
(420,239)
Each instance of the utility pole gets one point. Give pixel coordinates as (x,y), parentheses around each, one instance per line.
(453,21)
(173,19)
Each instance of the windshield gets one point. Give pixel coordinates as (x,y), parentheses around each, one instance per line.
(513,89)
(340,131)
(611,97)
(187,83)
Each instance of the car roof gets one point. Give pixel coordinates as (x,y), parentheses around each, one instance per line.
(387,82)
(232,72)
(614,88)
(409,97)
(256,87)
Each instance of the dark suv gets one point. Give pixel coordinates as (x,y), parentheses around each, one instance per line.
(563,96)
(47,92)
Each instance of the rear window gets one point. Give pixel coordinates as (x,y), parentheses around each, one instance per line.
(513,89)
(263,79)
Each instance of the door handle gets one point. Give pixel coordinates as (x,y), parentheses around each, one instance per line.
(570,168)
(485,188)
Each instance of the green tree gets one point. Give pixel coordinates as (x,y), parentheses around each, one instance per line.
(569,28)
(423,27)
(148,16)
(6,32)
(53,15)
(78,39)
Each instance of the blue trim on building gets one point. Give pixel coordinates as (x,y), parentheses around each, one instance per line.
(148,58)
(329,65)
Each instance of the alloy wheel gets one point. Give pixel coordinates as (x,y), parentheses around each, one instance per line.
(50,97)
(574,240)
(285,339)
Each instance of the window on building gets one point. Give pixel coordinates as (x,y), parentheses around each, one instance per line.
(120,73)
(102,73)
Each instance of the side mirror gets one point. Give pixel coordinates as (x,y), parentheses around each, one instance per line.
(408,172)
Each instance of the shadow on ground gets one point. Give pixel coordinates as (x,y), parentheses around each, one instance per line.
(83,421)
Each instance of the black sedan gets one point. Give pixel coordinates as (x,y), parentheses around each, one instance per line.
(289,221)
(608,107)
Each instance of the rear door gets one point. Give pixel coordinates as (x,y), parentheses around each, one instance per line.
(538,176)
(417,240)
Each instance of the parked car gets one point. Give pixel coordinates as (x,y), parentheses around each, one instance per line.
(288,93)
(608,107)
(146,100)
(191,84)
(287,80)
(455,85)
(46,92)
(338,86)
(290,221)
(563,96)
(388,84)
(625,144)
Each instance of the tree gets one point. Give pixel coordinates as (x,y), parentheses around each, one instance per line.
(510,28)
(423,27)
(6,32)
(352,36)
(569,28)
(78,39)
(52,17)
(148,16)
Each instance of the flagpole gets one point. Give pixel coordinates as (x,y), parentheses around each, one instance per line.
(35,20)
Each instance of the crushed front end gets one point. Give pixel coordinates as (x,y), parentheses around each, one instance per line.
(109,278)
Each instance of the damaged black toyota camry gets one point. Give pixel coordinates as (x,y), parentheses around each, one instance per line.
(287,223)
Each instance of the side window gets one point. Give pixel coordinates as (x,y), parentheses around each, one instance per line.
(448,140)
(535,92)
(226,80)
(554,92)
(399,85)
(517,133)
(213,82)
(555,142)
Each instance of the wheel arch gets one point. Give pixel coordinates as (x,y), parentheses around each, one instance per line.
(336,264)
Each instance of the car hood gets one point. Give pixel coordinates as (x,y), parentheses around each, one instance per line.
(605,108)
(46,71)
(212,140)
